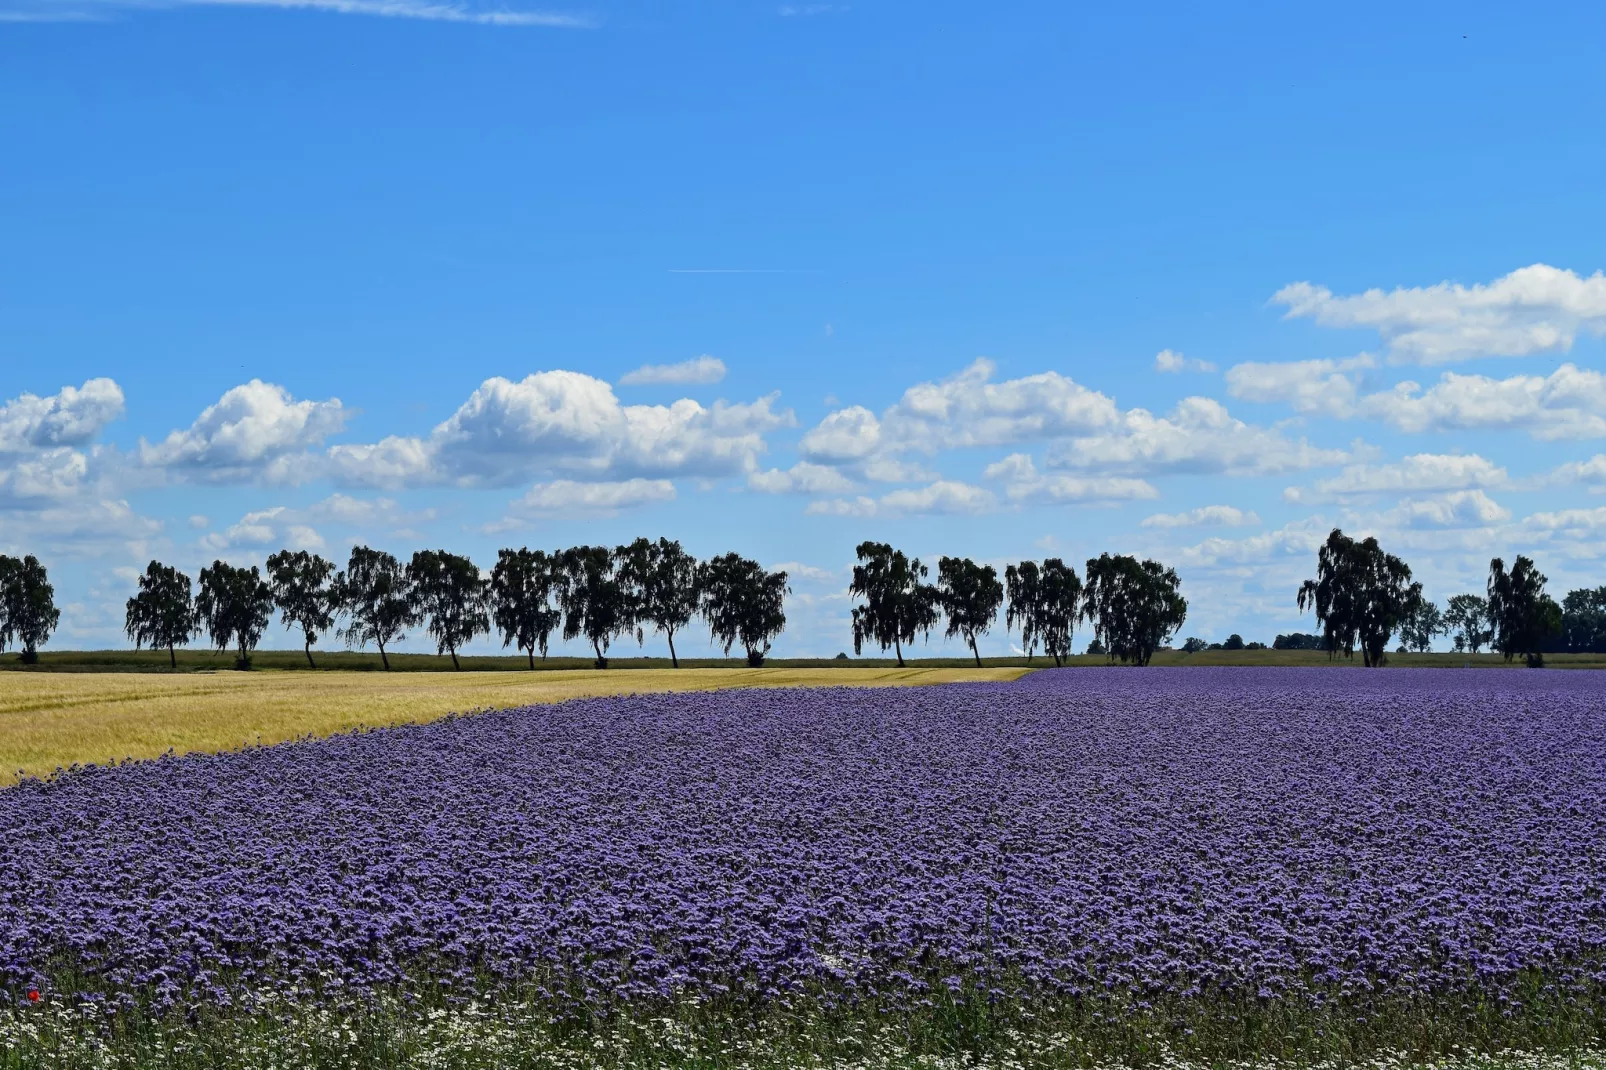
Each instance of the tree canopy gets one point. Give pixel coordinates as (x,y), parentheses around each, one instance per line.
(970,595)
(661,585)
(1134,606)
(28,612)
(303,592)
(1024,585)
(374,595)
(1521,614)
(1060,593)
(234,605)
(592,600)
(743,604)
(898,604)
(522,586)
(447,591)
(162,613)
(1583,620)
(1360,595)
(1422,622)
(1466,621)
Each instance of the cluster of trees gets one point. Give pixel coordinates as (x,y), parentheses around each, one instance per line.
(1362,596)
(1233,642)
(1134,606)
(590,592)
(28,612)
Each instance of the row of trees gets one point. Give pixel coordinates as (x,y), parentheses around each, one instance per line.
(1362,596)
(590,592)
(1134,606)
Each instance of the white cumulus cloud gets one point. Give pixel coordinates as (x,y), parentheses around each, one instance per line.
(1418,473)
(1458,509)
(942,497)
(1023,484)
(1175,363)
(71,417)
(801,478)
(1535,309)
(965,410)
(1570,402)
(1198,436)
(255,431)
(569,424)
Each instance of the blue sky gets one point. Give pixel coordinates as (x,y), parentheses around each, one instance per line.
(1005,283)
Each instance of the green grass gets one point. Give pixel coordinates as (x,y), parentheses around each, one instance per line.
(389,1033)
(200,660)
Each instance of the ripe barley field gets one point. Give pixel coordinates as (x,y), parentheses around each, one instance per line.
(54,720)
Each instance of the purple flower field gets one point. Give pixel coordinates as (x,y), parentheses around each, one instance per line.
(1145,834)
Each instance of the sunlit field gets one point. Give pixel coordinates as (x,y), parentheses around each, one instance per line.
(51,719)
(1196,867)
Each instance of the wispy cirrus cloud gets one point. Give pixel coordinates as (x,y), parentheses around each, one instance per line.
(701,370)
(428,10)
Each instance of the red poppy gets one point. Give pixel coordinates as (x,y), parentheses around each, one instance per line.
(33,995)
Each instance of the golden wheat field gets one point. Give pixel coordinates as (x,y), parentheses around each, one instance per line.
(51,720)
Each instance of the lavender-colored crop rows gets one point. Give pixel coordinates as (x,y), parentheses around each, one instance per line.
(1273,832)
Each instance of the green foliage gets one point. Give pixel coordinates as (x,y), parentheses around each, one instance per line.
(303,592)
(233,606)
(1523,616)
(1060,592)
(1422,622)
(28,612)
(660,580)
(1583,620)
(1360,595)
(1193,645)
(374,594)
(448,591)
(743,604)
(1234,642)
(522,586)
(898,606)
(1135,606)
(1043,602)
(1024,583)
(1466,620)
(162,614)
(970,595)
(592,600)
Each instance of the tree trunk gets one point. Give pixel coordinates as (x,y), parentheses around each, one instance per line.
(308,649)
(383,658)
(531,651)
(974,651)
(602,662)
(673,660)
(898,649)
(172,658)
(452,650)
(1058,664)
